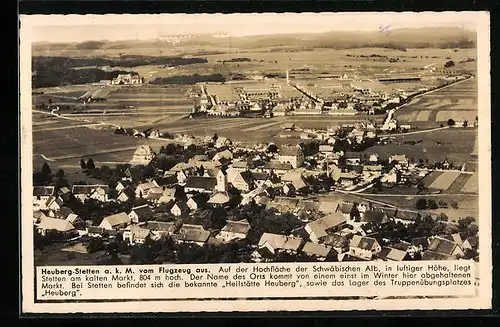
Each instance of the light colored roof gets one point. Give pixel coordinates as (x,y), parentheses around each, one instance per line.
(61,225)
(328,206)
(292,243)
(219,198)
(143,150)
(442,245)
(393,254)
(240,227)
(362,242)
(276,241)
(117,219)
(319,250)
(399,157)
(320,226)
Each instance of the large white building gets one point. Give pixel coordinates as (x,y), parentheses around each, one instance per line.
(292,154)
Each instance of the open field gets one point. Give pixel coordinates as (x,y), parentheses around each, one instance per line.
(467,205)
(453,144)
(458,102)
(444,181)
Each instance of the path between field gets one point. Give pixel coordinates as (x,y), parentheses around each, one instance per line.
(420,132)
(79,155)
(66,127)
(70,118)
(429,92)
(407,195)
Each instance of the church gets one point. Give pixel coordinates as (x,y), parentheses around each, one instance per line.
(142,155)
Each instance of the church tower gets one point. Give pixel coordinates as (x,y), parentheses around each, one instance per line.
(221,181)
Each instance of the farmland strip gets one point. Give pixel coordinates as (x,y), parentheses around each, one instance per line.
(445,180)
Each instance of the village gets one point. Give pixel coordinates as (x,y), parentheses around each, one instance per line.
(211,199)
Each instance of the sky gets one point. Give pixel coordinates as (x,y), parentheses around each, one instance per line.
(78,28)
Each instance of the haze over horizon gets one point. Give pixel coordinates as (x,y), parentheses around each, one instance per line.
(81,28)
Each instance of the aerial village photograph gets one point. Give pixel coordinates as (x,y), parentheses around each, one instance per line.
(263,138)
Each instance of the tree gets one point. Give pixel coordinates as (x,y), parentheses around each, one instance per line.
(90,164)
(83,165)
(449,64)
(272,148)
(431,204)
(451,122)
(46,169)
(60,173)
(421,204)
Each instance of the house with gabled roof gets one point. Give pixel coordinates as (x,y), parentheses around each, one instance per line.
(122,184)
(364,247)
(338,242)
(348,210)
(393,254)
(277,242)
(292,154)
(179,208)
(445,246)
(328,207)
(218,199)
(320,228)
(141,213)
(142,190)
(195,234)
(116,221)
(242,165)
(374,217)
(60,225)
(200,184)
(455,237)
(135,234)
(54,203)
(96,192)
(406,216)
(243,181)
(225,154)
(234,230)
(279,168)
(197,202)
(126,194)
(161,228)
(296,179)
(317,251)
(40,196)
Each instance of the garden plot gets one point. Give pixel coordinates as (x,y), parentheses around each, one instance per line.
(472,184)
(429,179)
(445,180)
(459,183)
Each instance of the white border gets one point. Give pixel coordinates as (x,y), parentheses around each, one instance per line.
(481,21)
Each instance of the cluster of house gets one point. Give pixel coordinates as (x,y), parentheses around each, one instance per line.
(342,229)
